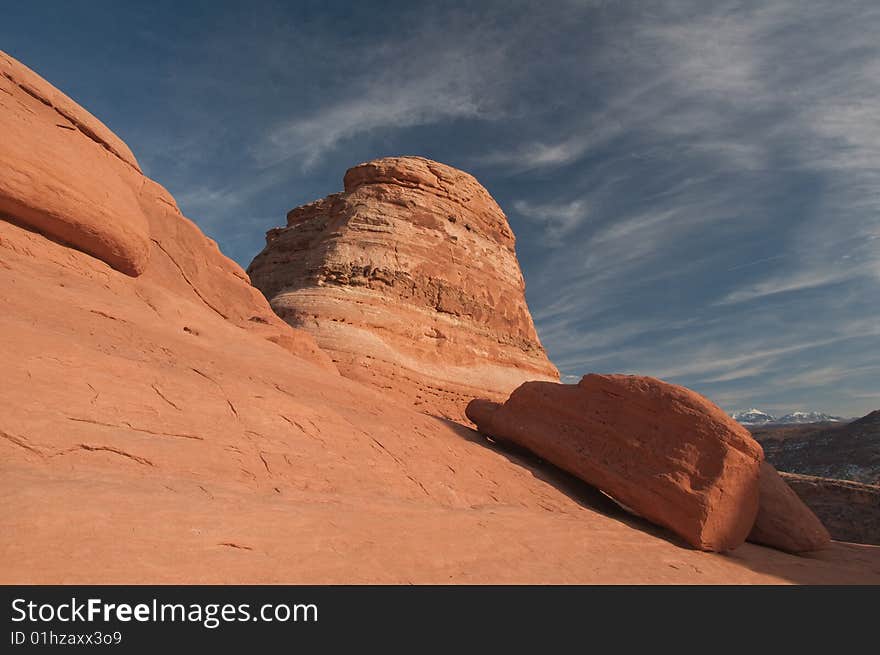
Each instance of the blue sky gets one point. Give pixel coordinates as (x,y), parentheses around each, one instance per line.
(695,186)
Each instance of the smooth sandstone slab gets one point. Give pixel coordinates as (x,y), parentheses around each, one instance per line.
(662,450)
(66,175)
(191,265)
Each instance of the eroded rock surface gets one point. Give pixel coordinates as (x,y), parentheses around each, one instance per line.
(662,450)
(65,174)
(409,278)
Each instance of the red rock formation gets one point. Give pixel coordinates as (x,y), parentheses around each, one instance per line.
(409,279)
(783,520)
(662,450)
(150,433)
(67,175)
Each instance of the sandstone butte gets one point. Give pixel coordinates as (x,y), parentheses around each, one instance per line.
(409,279)
(159,425)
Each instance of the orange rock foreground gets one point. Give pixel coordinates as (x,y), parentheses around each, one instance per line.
(159,424)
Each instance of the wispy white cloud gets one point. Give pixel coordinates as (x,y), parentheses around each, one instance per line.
(823,376)
(420,80)
(808,76)
(530,156)
(716,364)
(388,103)
(557,219)
(632,107)
(585,342)
(695,186)
(777,105)
(786,284)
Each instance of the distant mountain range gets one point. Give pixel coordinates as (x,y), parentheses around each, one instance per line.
(839,450)
(758,417)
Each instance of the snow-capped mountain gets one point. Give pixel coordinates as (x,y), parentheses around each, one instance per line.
(752,417)
(808,417)
(757,417)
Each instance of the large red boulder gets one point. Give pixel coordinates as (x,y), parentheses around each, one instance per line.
(784,521)
(664,451)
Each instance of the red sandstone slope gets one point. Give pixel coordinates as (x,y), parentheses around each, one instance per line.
(850,510)
(149,432)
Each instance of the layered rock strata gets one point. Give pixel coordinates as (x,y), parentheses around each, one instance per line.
(409,279)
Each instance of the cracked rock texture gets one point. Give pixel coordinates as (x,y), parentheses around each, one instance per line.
(409,279)
(168,428)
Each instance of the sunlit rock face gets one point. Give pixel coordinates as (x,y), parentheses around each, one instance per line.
(409,279)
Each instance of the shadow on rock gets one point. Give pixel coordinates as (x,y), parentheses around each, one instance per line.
(584,494)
